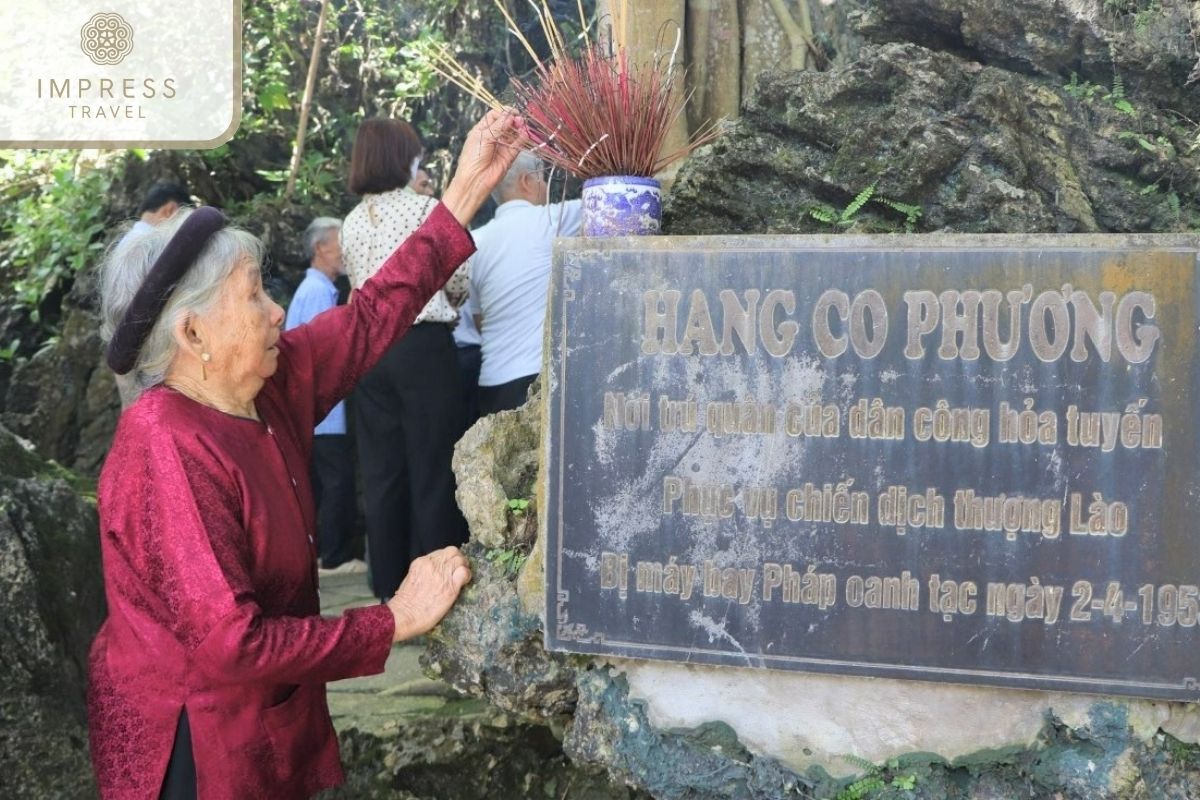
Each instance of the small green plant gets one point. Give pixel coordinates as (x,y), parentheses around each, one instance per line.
(876,779)
(1116,98)
(1142,11)
(1141,140)
(508,559)
(844,218)
(1085,91)
(912,213)
(1175,206)
(1088,91)
(518,507)
(9,351)
(857,203)
(823,213)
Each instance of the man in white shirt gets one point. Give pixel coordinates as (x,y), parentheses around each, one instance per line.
(468,344)
(510,276)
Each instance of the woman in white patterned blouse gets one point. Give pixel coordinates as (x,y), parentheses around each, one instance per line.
(408,409)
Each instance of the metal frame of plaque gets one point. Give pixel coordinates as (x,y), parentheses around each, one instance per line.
(954,458)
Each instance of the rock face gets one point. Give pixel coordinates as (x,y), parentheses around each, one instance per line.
(913,138)
(439,758)
(499,655)
(64,399)
(1151,44)
(53,600)
(957,116)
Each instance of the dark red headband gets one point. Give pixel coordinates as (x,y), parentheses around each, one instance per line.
(168,270)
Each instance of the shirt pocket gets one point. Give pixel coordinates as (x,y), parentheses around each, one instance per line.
(298,729)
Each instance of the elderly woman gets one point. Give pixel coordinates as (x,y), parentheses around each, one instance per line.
(207,678)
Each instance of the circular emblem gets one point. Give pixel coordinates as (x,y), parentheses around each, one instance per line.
(106,38)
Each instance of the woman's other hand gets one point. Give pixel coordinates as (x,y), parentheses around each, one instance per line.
(429,590)
(486,155)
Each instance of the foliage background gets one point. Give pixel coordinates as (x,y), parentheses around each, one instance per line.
(59,208)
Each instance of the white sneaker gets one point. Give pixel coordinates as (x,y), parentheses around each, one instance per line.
(354,566)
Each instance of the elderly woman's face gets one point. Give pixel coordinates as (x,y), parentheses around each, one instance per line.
(243,329)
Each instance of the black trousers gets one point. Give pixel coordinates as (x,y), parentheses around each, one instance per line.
(180,781)
(470,359)
(333,489)
(409,413)
(505,396)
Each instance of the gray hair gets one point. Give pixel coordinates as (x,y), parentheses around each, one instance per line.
(125,267)
(525,162)
(316,232)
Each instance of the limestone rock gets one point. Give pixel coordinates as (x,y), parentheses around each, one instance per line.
(488,646)
(64,399)
(479,759)
(52,594)
(496,461)
(1151,45)
(705,762)
(935,142)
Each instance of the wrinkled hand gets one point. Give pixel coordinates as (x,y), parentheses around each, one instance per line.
(486,155)
(428,592)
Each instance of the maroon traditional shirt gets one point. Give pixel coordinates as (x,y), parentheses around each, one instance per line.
(207,535)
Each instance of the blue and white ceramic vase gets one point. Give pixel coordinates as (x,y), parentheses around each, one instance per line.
(621,205)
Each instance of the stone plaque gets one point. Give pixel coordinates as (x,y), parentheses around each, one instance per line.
(968,459)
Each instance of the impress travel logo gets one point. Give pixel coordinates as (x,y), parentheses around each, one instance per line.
(120,73)
(106,39)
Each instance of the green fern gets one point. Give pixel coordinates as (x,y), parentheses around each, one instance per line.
(860,762)
(831,216)
(912,213)
(862,788)
(1118,89)
(1117,97)
(874,780)
(1142,141)
(508,559)
(1085,91)
(857,203)
(1174,205)
(824,213)
(1125,107)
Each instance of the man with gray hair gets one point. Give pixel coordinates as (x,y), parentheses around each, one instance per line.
(510,275)
(332,458)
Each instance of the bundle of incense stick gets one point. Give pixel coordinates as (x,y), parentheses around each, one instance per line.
(593,113)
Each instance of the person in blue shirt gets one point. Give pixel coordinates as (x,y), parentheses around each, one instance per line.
(332,458)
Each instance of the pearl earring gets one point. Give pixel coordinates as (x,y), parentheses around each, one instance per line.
(204,359)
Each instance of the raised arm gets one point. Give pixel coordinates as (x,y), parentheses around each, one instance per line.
(332,352)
